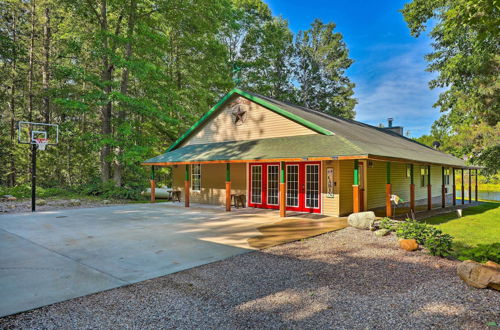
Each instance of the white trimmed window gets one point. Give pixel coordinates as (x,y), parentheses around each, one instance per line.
(447,173)
(424,173)
(196,177)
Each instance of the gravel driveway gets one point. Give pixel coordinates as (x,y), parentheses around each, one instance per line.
(344,279)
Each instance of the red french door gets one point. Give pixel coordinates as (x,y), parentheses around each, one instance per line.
(303,185)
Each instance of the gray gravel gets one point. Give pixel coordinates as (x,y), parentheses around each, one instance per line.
(346,279)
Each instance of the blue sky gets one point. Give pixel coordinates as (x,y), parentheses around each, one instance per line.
(389,68)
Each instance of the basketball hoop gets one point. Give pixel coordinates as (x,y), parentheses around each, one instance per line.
(41,143)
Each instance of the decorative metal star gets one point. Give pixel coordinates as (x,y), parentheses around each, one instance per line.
(239,115)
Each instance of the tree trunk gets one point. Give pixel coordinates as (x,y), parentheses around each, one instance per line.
(106,76)
(122,114)
(12,175)
(31,62)
(46,65)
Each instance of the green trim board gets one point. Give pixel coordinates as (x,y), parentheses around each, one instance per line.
(257,100)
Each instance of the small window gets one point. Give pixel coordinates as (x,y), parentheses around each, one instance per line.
(196,177)
(408,171)
(423,176)
(447,173)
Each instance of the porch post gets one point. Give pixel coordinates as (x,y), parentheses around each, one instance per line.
(463,190)
(153,185)
(228,187)
(412,189)
(388,208)
(443,188)
(476,193)
(429,188)
(187,185)
(282,191)
(454,188)
(470,186)
(355,188)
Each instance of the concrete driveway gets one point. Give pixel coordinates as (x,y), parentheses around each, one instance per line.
(53,256)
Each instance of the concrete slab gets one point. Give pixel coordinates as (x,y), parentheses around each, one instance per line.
(52,256)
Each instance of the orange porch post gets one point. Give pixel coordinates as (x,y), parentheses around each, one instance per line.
(355,188)
(429,188)
(470,186)
(476,193)
(282,191)
(187,185)
(153,185)
(388,187)
(454,188)
(228,187)
(443,188)
(463,190)
(412,190)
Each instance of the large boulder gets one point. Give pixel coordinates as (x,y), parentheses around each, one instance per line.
(408,244)
(479,275)
(361,220)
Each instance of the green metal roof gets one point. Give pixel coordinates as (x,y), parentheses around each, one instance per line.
(337,137)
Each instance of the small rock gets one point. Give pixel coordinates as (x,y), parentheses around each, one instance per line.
(75,202)
(382,232)
(361,220)
(480,276)
(106,201)
(41,202)
(408,244)
(11,206)
(8,198)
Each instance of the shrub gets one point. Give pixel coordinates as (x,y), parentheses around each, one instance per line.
(438,243)
(387,223)
(481,253)
(110,190)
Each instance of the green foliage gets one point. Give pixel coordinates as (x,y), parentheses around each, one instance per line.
(432,238)
(481,253)
(387,223)
(110,190)
(465,41)
(24,191)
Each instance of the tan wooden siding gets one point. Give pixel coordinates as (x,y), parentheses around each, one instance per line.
(330,205)
(346,180)
(400,183)
(260,123)
(213,183)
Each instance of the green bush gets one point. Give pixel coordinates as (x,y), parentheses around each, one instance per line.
(481,253)
(387,223)
(24,191)
(109,190)
(438,243)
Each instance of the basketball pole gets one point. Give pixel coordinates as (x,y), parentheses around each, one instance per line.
(33,177)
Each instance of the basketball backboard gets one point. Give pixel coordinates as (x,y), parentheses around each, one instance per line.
(30,132)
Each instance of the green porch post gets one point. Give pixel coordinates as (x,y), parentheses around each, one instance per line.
(429,188)
(153,185)
(443,187)
(476,188)
(187,185)
(228,187)
(282,190)
(454,187)
(412,189)
(355,188)
(388,190)
(463,189)
(470,186)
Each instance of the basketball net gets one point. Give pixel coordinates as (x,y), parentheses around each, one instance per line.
(41,143)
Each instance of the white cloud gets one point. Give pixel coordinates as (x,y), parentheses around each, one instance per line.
(396,85)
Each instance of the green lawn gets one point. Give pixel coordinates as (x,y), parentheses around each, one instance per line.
(476,234)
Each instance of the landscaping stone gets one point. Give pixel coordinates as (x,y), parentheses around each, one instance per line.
(41,202)
(382,232)
(361,220)
(8,198)
(75,202)
(106,201)
(408,244)
(480,276)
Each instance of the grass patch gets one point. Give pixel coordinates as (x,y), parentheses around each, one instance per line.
(476,234)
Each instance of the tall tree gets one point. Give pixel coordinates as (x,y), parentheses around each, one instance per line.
(322,59)
(466,58)
(267,58)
